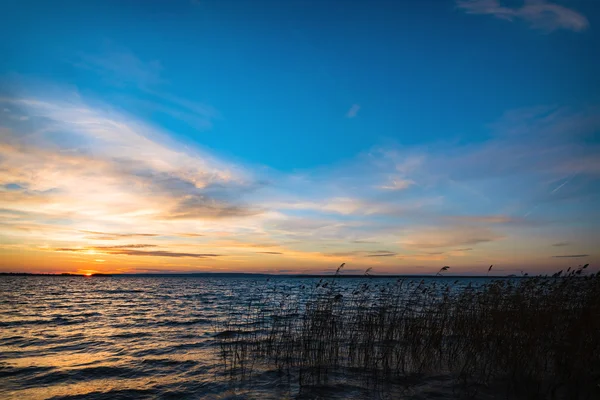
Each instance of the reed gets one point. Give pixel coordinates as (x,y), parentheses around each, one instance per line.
(534,337)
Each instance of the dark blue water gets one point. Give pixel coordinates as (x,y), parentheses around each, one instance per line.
(144,337)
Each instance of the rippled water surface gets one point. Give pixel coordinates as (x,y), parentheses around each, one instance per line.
(138,337)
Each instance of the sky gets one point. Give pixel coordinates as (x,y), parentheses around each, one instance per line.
(291,136)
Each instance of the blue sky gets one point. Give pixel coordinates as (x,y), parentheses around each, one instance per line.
(394,134)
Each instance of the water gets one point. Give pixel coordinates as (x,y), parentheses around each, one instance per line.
(143,337)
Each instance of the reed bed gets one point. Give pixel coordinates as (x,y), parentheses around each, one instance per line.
(530,337)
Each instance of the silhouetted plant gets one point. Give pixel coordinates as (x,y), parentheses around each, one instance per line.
(538,336)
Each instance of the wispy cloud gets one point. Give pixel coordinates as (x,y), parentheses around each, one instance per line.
(113,236)
(203,207)
(362,253)
(121,67)
(124,246)
(100,152)
(190,235)
(353,111)
(561,244)
(382,253)
(397,184)
(434,237)
(125,71)
(488,219)
(131,250)
(540,14)
(74,176)
(161,253)
(572,256)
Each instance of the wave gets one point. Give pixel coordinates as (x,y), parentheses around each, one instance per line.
(130,335)
(53,321)
(196,321)
(112,394)
(9,371)
(84,374)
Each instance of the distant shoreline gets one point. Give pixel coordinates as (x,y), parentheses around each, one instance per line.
(40,274)
(259,275)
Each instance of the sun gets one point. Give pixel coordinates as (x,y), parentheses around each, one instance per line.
(88,274)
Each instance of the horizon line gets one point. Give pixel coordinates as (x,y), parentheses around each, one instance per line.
(260,274)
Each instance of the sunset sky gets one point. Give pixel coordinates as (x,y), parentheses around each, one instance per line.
(291,136)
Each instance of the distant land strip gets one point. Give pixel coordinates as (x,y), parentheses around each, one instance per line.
(262,275)
(40,274)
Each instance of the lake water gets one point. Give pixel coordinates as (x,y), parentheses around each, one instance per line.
(144,337)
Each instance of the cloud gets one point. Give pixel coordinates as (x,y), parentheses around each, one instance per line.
(74,173)
(362,253)
(124,246)
(203,207)
(105,248)
(540,14)
(312,229)
(572,256)
(398,184)
(260,245)
(199,116)
(488,219)
(353,111)
(130,250)
(561,244)
(160,253)
(445,237)
(83,154)
(71,249)
(382,254)
(113,236)
(121,67)
(190,235)
(356,206)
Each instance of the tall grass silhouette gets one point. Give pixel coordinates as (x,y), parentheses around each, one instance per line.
(534,337)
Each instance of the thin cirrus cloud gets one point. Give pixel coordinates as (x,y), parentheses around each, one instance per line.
(357,253)
(162,253)
(121,68)
(74,176)
(114,156)
(398,184)
(353,111)
(572,256)
(436,238)
(79,167)
(131,250)
(114,236)
(124,246)
(539,14)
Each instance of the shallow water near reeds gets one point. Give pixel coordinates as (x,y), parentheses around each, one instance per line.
(158,337)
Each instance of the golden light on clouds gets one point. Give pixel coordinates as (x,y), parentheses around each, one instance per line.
(84,186)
